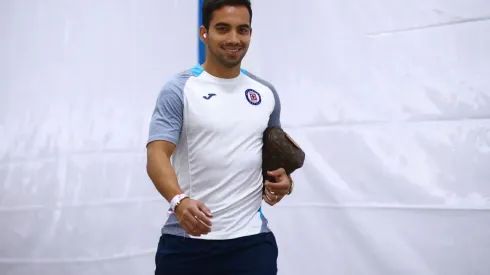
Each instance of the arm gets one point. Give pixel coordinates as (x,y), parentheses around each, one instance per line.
(274,192)
(165,127)
(160,170)
(192,215)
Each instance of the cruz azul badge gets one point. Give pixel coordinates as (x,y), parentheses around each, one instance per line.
(253,97)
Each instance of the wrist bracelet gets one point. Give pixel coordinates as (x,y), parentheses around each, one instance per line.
(291,186)
(175,202)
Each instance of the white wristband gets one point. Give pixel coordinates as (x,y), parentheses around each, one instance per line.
(176,201)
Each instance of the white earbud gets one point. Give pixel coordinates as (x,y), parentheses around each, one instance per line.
(205,36)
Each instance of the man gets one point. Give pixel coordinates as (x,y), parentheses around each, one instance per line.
(210,120)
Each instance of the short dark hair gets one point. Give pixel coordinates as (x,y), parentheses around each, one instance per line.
(209,6)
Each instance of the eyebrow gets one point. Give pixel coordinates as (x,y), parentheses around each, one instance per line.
(221,24)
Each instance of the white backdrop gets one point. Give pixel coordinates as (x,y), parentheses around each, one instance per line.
(390,99)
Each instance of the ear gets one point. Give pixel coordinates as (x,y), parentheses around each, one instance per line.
(203,34)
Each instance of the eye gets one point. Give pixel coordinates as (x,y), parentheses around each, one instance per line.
(221,29)
(244,30)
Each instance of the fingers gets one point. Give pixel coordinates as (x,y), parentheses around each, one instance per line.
(275,191)
(195,221)
(279,188)
(271,198)
(200,227)
(204,209)
(189,226)
(277,173)
(194,227)
(268,200)
(202,218)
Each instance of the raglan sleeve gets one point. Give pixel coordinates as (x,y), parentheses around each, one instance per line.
(275,117)
(167,118)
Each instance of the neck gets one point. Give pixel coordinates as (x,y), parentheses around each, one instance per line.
(221,71)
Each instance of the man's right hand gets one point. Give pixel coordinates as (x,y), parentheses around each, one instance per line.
(194,217)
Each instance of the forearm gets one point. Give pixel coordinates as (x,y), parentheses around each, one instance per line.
(162,175)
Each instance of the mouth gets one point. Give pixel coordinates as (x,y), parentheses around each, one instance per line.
(232,50)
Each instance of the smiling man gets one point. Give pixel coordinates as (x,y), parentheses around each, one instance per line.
(205,156)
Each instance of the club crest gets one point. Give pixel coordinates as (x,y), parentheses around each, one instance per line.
(253,97)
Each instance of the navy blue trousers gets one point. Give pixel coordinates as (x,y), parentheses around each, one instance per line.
(250,255)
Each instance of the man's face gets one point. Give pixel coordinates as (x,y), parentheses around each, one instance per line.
(229,34)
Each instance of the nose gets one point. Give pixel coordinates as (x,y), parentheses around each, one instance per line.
(233,37)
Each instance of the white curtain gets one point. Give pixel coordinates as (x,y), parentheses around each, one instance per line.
(79,81)
(390,99)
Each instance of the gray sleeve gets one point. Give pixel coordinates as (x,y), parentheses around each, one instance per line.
(275,117)
(168,115)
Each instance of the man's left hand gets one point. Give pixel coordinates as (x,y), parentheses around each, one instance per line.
(275,191)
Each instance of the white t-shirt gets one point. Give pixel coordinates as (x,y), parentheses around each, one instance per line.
(217,126)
